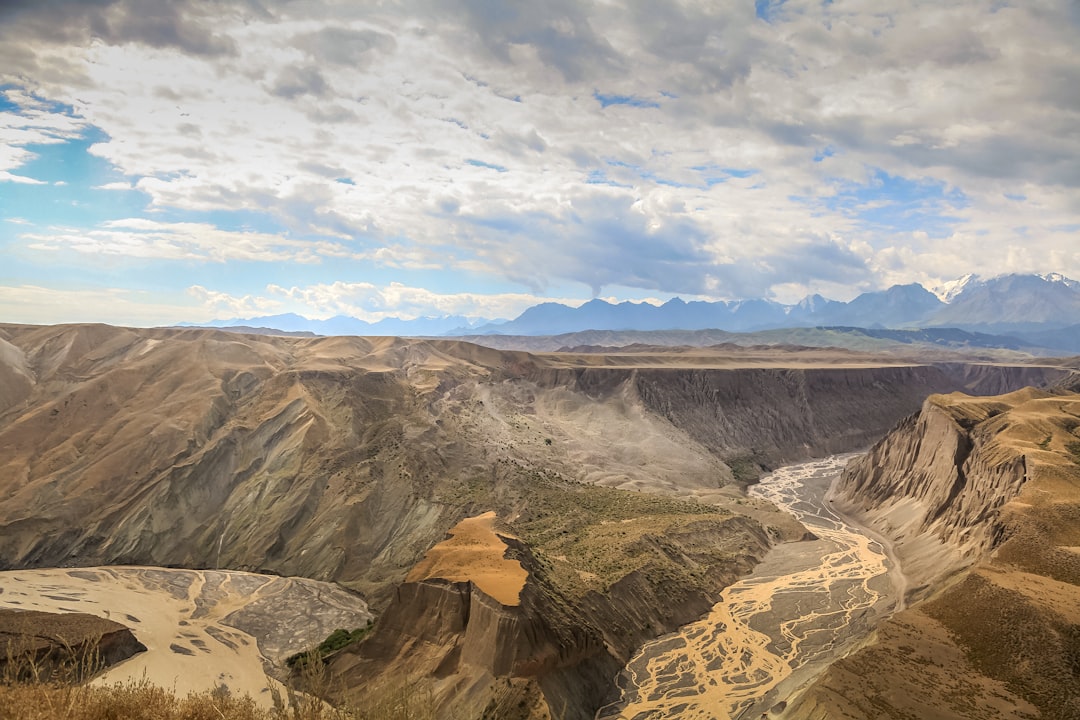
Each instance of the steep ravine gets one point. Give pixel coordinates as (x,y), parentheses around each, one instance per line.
(935,485)
(981,497)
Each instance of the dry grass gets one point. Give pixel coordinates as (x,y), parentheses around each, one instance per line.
(1010,637)
(142,700)
(134,700)
(31,691)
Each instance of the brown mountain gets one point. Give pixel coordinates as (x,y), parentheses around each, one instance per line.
(348,458)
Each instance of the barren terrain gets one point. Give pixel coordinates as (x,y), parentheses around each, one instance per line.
(202,629)
(615,482)
(474,553)
(986,533)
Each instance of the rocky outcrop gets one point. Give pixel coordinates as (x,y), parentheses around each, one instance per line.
(556,652)
(467,650)
(989,484)
(935,485)
(66,646)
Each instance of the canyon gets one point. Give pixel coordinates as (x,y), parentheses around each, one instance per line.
(615,482)
(980,498)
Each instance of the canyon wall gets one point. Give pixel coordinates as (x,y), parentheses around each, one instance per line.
(935,485)
(767,416)
(345,459)
(981,499)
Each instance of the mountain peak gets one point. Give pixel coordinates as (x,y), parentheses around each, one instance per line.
(948,291)
(1059,278)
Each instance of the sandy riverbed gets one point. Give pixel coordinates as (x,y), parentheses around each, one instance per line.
(803,606)
(202,628)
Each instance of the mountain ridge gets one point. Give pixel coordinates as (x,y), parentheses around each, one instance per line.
(1013,304)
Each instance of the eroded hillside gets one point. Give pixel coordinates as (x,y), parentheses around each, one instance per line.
(347,459)
(990,485)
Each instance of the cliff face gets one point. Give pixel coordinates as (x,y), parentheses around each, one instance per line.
(935,485)
(770,416)
(471,653)
(783,415)
(990,485)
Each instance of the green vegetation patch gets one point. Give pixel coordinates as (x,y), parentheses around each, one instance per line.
(745,469)
(333,642)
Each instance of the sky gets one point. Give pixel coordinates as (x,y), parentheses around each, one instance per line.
(200,159)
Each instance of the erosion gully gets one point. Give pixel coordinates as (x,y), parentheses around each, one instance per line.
(773,632)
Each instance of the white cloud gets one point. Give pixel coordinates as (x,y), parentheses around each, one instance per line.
(142,238)
(22,179)
(36,304)
(36,123)
(372,303)
(426,137)
(225,306)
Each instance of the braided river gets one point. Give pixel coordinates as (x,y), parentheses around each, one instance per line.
(807,604)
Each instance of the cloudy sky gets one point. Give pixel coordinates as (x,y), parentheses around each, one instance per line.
(204,159)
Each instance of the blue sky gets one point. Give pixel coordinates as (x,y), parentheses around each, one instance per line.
(190,161)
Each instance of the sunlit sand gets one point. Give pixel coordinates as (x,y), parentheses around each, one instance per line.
(474,552)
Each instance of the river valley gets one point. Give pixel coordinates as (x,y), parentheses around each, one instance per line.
(805,605)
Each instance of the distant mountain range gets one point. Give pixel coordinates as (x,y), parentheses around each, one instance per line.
(1041,310)
(345,325)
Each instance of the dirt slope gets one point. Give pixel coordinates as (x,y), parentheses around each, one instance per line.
(66,646)
(990,485)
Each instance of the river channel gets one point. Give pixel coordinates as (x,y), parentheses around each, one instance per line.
(774,631)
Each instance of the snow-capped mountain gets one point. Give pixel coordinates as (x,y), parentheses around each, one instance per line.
(1010,304)
(1013,302)
(947,292)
